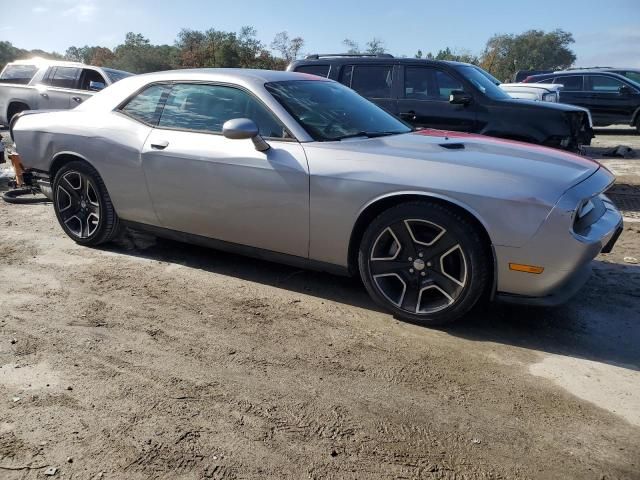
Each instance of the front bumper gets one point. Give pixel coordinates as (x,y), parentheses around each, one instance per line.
(565,255)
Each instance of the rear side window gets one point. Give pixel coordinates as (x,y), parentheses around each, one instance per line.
(373,81)
(146,106)
(571,83)
(64,77)
(319,70)
(20,74)
(207,107)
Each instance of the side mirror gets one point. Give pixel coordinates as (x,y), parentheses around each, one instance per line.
(244,129)
(96,86)
(458,97)
(625,90)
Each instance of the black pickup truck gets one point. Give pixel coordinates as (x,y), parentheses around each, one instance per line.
(452,96)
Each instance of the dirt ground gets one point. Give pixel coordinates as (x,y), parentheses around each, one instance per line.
(154,359)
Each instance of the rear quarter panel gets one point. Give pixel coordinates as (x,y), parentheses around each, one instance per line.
(109,141)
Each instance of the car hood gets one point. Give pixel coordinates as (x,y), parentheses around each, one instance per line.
(518,165)
(562,107)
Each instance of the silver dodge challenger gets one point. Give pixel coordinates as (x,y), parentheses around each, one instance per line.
(298,169)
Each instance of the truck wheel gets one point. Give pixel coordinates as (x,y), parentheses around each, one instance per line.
(82,204)
(424,262)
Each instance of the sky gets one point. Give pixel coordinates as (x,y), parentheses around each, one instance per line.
(607,32)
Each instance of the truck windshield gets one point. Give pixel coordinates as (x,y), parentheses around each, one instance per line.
(20,74)
(476,76)
(330,111)
(116,75)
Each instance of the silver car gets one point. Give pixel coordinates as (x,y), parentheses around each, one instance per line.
(298,169)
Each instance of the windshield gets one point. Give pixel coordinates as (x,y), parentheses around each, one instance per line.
(480,79)
(115,75)
(330,111)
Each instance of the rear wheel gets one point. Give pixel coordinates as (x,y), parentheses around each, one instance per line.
(424,262)
(82,204)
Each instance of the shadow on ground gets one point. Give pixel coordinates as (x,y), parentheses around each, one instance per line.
(601,323)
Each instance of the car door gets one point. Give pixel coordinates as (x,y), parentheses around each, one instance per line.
(84,90)
(424,101)
(607,102)
(205,184)
(572,91)
(374,82)
(57,88)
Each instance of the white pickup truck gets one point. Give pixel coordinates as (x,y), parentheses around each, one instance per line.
(542,92)
(39,84)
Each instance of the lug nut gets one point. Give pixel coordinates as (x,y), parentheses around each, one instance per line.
(428,264)
(421,254)
(410,259)
(423,274)
(411,270)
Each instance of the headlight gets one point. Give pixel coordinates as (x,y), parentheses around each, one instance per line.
(550,97)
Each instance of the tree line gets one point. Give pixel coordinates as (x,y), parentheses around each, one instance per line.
(502,56)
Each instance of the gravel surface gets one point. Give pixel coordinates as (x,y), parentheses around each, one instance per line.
(154,359)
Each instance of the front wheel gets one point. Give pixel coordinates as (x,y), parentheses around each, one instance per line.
(82,204)
(424,262)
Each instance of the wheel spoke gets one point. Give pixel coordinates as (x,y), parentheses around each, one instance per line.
(445,283)
(410,300)
(445,243)
(381,267)
(401,231)
(70,189)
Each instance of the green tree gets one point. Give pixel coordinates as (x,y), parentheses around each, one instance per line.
(375,46)
(288,48)
(352,47)
(505,54)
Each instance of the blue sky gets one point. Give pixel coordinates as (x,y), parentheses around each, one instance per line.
(606,32)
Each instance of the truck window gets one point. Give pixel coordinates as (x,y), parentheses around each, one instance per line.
(372,81)
(319,70)
(64,77)
(20,74)
(87,76)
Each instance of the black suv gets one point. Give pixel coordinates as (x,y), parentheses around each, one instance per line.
(610,97)
(452,96)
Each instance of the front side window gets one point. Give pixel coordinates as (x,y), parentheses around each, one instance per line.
(20,74)
(635,76)
(602,84)
(319,70)
(207,107)
(146,106)
(89,76)
(371,81)
(330,111)
(571,83)
(64,77)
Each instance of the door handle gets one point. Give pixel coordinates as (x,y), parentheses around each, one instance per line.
(44,94)
(76,99)
(160,145)
(410,115)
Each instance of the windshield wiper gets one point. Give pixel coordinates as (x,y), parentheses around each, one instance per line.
(366,134)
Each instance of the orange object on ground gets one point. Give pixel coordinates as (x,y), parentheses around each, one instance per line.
(14,158)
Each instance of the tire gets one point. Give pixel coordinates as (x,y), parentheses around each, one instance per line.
(638,124)
(23,196)
(424,262)
(83,206)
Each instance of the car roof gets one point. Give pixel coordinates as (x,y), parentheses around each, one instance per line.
(221,74)
(569,73)
(46,61)
(383,58)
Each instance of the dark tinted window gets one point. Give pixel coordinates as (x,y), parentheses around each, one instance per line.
(147,105)
(602,84)
(372,81)
(330,111)
(419,83)
(64,77)
(207,107)
(116,75)
(570,83)
(319,70)
(21,74)
(635,76)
